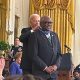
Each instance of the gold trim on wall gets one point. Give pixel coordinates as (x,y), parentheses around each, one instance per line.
(4,13)
(2,20)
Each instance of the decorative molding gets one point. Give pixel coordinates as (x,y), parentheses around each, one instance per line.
(64,3)
(36,4)
(50,4)
(9,32)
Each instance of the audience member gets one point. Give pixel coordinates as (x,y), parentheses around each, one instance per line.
(76,73)
(15,48)
(15,66)
(77,68)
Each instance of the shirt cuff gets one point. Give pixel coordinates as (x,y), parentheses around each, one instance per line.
(31,31)
(45,68)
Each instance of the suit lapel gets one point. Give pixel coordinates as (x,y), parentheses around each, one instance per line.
(52,44)
(53,41)
(45,38)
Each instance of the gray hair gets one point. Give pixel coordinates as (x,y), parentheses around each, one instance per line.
(32,16)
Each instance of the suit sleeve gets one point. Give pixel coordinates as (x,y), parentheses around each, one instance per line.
(25,33)
(34,51)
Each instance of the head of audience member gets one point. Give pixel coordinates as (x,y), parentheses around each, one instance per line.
(28,77)
(34,21)
(31,77)
(24,77)
(46,23)
(18,57)
(76,74)
(16,41)
(14,77)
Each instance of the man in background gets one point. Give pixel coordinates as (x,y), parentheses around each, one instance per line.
(76,72)
(26,63)
(15,48)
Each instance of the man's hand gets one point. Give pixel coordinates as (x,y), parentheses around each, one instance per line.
(49,69)
(54,67)
(19,49)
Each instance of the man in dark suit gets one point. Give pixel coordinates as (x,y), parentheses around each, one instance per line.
(26,63)
(45,51)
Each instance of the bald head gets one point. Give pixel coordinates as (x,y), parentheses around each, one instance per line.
(45,22)
(45,18)
(34,20)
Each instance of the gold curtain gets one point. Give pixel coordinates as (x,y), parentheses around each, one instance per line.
(3,9)
(62,14)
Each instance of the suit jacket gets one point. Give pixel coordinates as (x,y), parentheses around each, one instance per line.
(26,63)
(44,53)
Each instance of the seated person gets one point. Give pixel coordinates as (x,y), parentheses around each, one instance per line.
(76,73)
(77,68)
(15,66)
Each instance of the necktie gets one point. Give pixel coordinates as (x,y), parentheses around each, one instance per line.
(47,33)
(49,38)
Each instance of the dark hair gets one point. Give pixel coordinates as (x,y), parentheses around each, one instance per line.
(15,77)
(18,55)
(28,77)
(24,77)
(38,78)
(31,77)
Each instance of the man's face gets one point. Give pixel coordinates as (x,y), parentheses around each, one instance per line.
(46,23)
(35,22)
(76,74)
(16,42)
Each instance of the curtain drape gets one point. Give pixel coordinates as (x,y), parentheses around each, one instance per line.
(62,14)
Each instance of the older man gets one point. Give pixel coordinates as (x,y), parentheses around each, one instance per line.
(26,63)
(45,50)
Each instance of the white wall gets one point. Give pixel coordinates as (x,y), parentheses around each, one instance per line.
(25,12)
(12,20)
(19,8)
(77,32)
(22,11)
